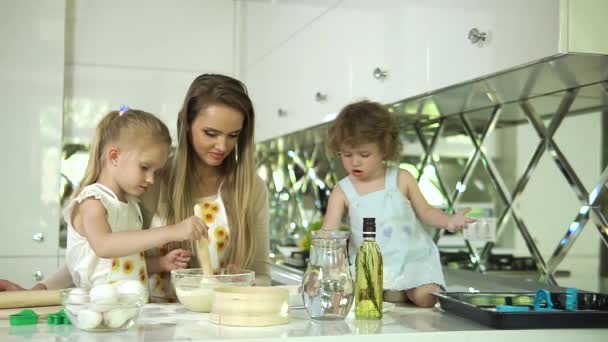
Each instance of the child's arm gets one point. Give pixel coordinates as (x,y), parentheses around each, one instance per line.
(108,244)
(175,259)
(426,212)
(335,209)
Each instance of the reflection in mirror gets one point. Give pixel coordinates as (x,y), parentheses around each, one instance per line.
(522,146)
(73,164)
(496,165)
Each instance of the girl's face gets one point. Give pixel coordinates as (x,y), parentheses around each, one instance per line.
(136,168)
(364,161)
(215,132)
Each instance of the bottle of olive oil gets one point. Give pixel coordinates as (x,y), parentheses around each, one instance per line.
(368,274)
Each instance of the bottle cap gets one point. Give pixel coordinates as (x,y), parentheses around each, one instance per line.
(369,225)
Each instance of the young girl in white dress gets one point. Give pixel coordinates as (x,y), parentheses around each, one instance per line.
(105,242)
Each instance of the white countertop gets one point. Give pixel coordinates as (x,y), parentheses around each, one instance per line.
(172,322)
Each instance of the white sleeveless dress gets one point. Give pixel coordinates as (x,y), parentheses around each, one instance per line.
(88,270)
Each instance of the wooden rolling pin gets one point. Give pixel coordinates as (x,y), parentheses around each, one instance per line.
(30,298)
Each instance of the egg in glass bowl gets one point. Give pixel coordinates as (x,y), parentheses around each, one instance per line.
(195,289)
(106,307)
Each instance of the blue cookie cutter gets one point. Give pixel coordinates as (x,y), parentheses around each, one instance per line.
(512,308)
(571,299)
(543,296)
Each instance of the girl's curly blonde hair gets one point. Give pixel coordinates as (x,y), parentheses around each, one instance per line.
(366,122)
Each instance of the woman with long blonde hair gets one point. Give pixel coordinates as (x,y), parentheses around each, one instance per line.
(214,164)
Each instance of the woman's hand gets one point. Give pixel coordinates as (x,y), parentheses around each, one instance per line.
(7,285)
(191,228)
(232,268)
(458,221)
(175,259)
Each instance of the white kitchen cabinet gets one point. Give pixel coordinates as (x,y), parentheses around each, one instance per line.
(422,46)
(31,92)
(300,42)
(28,271)
(268,25)
(517,32)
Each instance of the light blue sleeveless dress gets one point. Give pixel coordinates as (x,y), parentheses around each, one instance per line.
(411,258)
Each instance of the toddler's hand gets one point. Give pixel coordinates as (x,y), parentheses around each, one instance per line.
(458,221)
(176,259)
(191,228)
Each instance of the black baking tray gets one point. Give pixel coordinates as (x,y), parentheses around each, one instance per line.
(481,307)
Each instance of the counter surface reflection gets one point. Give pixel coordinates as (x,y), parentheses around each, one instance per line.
(172,322)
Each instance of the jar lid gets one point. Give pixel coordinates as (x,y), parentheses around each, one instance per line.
(330,234)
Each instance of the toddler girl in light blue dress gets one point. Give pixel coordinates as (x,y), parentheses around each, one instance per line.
(366,137)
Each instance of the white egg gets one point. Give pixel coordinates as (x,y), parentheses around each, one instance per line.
(130,288)
(116,318)
(78,295)
(73,309)
(104,294)
(88,319)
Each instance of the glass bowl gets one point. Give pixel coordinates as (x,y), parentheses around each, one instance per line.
(118,314)
(195,290)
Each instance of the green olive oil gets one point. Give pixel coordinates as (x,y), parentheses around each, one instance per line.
(368,274)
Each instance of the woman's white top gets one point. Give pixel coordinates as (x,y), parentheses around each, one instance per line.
(216,220)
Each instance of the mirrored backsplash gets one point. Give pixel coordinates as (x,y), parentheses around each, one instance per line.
(531,165)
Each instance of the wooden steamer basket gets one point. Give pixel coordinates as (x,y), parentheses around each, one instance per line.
(253,306)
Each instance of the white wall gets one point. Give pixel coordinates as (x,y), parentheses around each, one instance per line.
(143,53)
(31,94)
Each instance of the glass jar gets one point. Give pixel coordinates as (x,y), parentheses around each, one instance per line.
(327,287)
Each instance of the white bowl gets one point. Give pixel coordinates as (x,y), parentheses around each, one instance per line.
(90,316)
(195,290)
(253,306)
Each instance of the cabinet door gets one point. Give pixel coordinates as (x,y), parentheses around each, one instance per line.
(31,88)
(384,49)
(267,25)
(300,82)
(517,32)
(27,271)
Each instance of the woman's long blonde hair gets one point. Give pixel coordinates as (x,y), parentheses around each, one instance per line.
(117,127)
(237,171)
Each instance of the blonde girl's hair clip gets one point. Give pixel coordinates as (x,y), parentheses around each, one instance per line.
(123,109)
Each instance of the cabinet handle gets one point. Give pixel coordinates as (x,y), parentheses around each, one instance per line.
(39,237)
(38,276)
(282,112)
(320,97)
(380,74)
(475,36)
